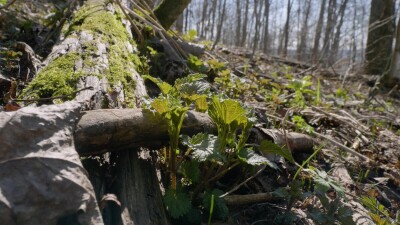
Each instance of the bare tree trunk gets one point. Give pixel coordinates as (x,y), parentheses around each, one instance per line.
(353,37)
(304,32)
(239,22)
(244,28)
(213,16)
(222,10)
(179,24)
(266,43)
(169,10)
(393,77)
(186,19)
(257,11)
(286,29)
(380,36)
(203,18)
(315,52)
(330,25)
(336,39)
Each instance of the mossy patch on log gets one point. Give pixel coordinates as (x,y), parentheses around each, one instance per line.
(61,76)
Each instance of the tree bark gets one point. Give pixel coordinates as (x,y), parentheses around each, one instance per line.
(315,52)
(220,24)
(266,26)
(286,29)
(203,18)
(336,39)
(257,12)
(95,50)
(244,28)
(393,77)
(169,10)
(330,25)
(304,32)
(238,23)
(380,36)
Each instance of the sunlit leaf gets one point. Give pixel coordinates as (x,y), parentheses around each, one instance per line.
(205,147)
(160,105)
(164,87)
(201,104)
(250,157)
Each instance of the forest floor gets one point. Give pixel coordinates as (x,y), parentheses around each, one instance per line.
(344,120)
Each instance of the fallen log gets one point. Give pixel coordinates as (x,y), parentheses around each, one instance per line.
(251,198)
(106,130)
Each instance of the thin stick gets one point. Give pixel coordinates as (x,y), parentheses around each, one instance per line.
(244,182)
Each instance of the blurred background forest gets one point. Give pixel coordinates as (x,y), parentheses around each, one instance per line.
(328,32)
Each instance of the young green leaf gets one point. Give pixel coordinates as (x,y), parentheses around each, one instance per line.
(205,147)
(160,105)
(268,146)
(324,182)
(201,104)
(164,87)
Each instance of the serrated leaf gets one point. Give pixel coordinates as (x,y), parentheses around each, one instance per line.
(201,104)
(268,146)
(205,147)
(160,105)
(227,111)
(220,209)
(177,203)
(250,157)
(324,182)
(190,169)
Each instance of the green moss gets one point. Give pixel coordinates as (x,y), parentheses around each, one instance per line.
(58,78)
(108,28)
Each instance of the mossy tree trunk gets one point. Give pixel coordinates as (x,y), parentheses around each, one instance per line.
(96,50)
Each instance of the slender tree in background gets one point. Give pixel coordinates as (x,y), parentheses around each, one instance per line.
(244,28)
(330,25)
(380,36)
(315,52)
(239,22)
(203,18)
(267,5)
(213,15)
(336,38)
(353,35)
(286,29)
(257,11)
(304,31)
(222,9)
